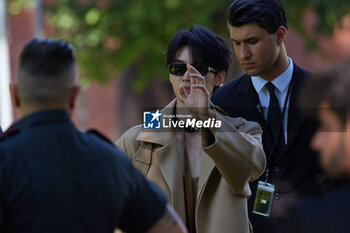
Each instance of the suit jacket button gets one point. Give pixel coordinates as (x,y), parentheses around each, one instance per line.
(276,169)
(276,196)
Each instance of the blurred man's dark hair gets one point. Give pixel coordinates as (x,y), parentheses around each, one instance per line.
(331,86)
(46,73)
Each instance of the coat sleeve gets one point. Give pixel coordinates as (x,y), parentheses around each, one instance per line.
(236,148)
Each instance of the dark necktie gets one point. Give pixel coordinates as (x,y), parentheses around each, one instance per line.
(274,116)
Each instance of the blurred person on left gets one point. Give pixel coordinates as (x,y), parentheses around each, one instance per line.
(55,178)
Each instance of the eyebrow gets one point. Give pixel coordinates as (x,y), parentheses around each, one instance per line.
(180,61)
(250,38)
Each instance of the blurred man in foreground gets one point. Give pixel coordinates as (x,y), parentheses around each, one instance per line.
(329,93)
(54,178)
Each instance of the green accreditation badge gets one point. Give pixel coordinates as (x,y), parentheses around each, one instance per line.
(263,198)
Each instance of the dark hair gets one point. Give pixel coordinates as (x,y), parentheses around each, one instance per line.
(268,14)
(46,72)
(204,45)
(46,57)
(331,85)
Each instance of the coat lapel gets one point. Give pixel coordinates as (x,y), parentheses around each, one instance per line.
(250,109)
(170,167)
(247,95)
(167,156)
(207,166)
(295,118)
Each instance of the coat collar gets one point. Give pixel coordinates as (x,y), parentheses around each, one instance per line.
(42,117)
(161,136)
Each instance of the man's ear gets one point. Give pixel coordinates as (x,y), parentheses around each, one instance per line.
(73,96)
(14,94)
(281,34)
(220,78)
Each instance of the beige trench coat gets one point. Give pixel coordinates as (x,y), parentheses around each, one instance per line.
(235,158)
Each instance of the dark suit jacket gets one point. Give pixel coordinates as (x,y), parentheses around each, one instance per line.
(295,170)
(329,214)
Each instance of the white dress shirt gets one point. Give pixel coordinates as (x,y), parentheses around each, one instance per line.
(281,84)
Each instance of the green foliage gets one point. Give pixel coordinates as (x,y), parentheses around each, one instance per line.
(329,14)
(113,35)
(16,6)
(111,38)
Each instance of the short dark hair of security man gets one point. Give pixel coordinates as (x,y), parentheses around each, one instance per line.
(55,178)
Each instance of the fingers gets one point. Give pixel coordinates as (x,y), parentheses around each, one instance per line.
(184,91)
(200,87)
(197,80)
(195,77)
(192,70)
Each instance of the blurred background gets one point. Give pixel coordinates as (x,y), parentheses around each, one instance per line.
(121,47)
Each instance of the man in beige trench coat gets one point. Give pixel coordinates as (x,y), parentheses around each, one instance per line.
(222,160)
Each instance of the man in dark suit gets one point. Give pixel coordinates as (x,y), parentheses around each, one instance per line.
(267,94)
(328,92)
(55,178)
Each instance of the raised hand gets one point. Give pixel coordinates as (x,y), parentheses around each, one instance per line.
(197,100)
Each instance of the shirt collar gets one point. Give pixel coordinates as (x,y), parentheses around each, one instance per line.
(281,82)
(41,117)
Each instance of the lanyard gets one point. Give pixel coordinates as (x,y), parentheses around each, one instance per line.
(280,127)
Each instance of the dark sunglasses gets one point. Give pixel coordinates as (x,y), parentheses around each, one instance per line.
(179,69)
